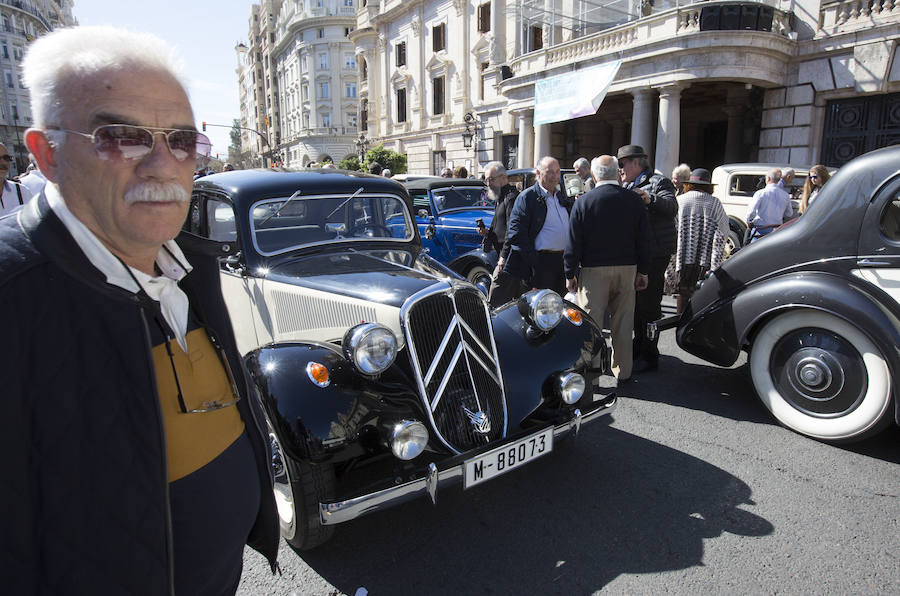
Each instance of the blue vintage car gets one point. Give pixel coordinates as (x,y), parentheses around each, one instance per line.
(447,213)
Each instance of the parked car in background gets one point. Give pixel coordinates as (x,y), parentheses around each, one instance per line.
(384,376)
(735,185)
(569,182)
(448,212)
(816,304)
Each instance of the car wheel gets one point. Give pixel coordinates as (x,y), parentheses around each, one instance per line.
(299,487)
(732,243)
(480,278)
(821,376)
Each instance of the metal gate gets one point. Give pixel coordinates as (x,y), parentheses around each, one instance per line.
(855,126)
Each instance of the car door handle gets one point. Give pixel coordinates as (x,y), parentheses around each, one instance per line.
(871,263)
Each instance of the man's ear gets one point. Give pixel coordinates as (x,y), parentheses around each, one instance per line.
(44,152)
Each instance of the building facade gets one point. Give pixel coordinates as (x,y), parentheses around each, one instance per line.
(22,22)
(298,82)
(800,81)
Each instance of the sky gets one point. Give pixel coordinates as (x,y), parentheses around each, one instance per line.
(205,33)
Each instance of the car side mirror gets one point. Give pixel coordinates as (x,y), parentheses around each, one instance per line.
(430,232)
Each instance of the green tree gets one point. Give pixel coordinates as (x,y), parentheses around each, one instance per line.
(395,162)
(349,163)
(235,148)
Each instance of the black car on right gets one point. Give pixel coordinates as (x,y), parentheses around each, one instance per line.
(816,304)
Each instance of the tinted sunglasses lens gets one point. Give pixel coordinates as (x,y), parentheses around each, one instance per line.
(188,143)
(119,141)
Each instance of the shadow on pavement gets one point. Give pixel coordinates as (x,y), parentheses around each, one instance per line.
(606,504)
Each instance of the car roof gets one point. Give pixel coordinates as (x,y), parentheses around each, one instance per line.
(245,187)
(431,183)
(759,166)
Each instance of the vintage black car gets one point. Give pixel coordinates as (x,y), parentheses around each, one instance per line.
(815,304)
(384,375)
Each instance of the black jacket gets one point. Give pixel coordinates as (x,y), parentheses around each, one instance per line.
(525,222)
(85,485)
(496,236)
(608,227)
(662,210)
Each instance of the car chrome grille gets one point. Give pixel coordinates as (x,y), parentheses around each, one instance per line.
(455,361)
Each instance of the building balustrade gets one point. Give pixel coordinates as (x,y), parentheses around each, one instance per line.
(657,26)
(855,14)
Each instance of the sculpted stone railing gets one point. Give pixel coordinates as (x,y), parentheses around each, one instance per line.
(856,14)
(620,38)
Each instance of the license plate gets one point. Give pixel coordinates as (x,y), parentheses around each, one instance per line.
(509,457)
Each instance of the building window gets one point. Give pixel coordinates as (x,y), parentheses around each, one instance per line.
(401,105)
(348,31)
(437,85)
(350,89)
(326,119)
(5,50)
(348,3)
(439,37)
(15,111)
(401,53)
(438,162)
(306,120)
(351,119)
(304,90)
(537,38)
(484,17)
(484,67)
(323,61)
(9,80)
(349,61)
(321,33)
(323,90)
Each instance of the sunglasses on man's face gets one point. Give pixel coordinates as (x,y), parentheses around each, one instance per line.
(127,142)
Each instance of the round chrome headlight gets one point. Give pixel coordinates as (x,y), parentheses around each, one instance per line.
(542,308)
(371,348)
(408,439)
(570,386)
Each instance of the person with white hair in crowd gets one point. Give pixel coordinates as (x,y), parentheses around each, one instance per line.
(583,169)
(134,456)
(680,175)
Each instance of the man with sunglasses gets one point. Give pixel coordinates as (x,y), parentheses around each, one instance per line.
(14,194)
(135,457)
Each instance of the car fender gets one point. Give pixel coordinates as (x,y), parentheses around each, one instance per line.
(528,360)
(465,261)
(320,423)
(720,332)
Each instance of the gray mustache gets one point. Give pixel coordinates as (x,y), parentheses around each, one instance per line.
(157,192)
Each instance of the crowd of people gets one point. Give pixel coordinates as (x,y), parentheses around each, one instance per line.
(631,236)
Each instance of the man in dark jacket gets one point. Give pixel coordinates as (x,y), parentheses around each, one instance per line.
(536,235)
(658,194)
(607,253)
(135,455)
(503,195)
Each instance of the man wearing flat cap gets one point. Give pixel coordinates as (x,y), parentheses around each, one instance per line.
(702,232)
(658,194)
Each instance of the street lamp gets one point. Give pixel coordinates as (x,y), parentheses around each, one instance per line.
(362,143)
(470,134)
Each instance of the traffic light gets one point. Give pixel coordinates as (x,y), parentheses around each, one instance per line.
(204,127)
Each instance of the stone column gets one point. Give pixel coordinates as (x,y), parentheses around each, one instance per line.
(642,118)
(525,152)
(498,31)
(541,141)
(668,132)
(735,109)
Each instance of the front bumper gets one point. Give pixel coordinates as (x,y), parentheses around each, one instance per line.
(346,510)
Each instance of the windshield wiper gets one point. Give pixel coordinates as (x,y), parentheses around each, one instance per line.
(277,211)
(348,199)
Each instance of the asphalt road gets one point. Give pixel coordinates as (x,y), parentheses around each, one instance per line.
(690,488)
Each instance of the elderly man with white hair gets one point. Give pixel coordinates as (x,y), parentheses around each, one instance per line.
(769,207)
(607,256)
(583,169)
(135,459)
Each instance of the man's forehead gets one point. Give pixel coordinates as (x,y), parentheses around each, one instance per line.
(134,97)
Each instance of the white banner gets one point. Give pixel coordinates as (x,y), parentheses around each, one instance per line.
(573,94)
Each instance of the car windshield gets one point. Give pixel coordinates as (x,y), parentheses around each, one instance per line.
(284,224)
(461,197)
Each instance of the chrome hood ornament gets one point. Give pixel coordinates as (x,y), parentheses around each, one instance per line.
(479,420)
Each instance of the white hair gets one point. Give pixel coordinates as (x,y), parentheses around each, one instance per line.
(581,162)
(79,52)
(605,171)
